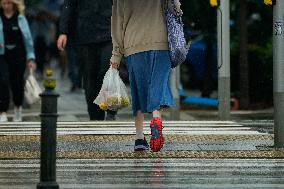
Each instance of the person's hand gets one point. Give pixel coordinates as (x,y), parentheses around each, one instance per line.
(31,65)
(114,64)
(1,45)
(61,42)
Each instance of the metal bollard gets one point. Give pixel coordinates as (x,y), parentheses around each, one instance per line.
(278,73)
(48,134)
(175,84)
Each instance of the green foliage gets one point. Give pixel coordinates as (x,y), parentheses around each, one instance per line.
(31,3)
(260,58)
(261,72)
(202,14)
(260,50)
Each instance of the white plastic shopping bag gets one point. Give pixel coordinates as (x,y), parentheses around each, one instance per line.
(32,89)
(113,94)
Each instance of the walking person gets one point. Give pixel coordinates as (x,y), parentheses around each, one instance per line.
(88,23)
(139,33)
(39,26)
(16,51)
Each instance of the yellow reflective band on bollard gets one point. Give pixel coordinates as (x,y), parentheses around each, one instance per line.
(269,2)
(49,81)
(214,3)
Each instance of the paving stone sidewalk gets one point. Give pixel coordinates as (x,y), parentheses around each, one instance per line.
(72,107)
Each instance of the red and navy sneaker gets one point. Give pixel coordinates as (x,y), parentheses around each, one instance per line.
(141,145)
(157,139)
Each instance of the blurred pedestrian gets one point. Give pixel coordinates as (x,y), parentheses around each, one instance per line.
(16,51)
(89,23)
(75,74)
(139,33)
(73,68)
(40,26)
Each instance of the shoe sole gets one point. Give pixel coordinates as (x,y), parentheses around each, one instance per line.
(140,148)
(157,139)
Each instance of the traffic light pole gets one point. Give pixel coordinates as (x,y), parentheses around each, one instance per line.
(223,36)
(278,73)
(175,84)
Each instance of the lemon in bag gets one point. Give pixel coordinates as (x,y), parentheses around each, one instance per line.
(124,102)
(103,106)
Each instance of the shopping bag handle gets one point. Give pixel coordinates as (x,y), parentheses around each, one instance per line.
(31,71)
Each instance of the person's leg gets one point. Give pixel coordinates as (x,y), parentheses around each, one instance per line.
(73,67)
(139,119)
(157,139)
(40,53)
(140,142)
(17,68)
(88,58)
(17,84)
(77,71)
(4,89)
(160,95)
(149,74)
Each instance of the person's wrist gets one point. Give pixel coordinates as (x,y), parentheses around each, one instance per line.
(31,64)
(115,59)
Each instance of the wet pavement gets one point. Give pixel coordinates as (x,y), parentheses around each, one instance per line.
(181,136)
(197,154)
(149,173)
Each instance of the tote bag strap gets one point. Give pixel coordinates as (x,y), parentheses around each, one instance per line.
(171,6)
(164,5)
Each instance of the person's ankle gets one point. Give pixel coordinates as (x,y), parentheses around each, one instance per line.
(157,114)
(111,115)
(18,108)
(140,135)
(111,112)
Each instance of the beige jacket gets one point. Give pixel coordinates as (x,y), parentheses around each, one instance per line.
(138,26)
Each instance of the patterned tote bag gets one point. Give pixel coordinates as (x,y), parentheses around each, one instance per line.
(177,43)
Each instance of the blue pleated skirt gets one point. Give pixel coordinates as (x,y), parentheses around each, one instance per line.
(149,75)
